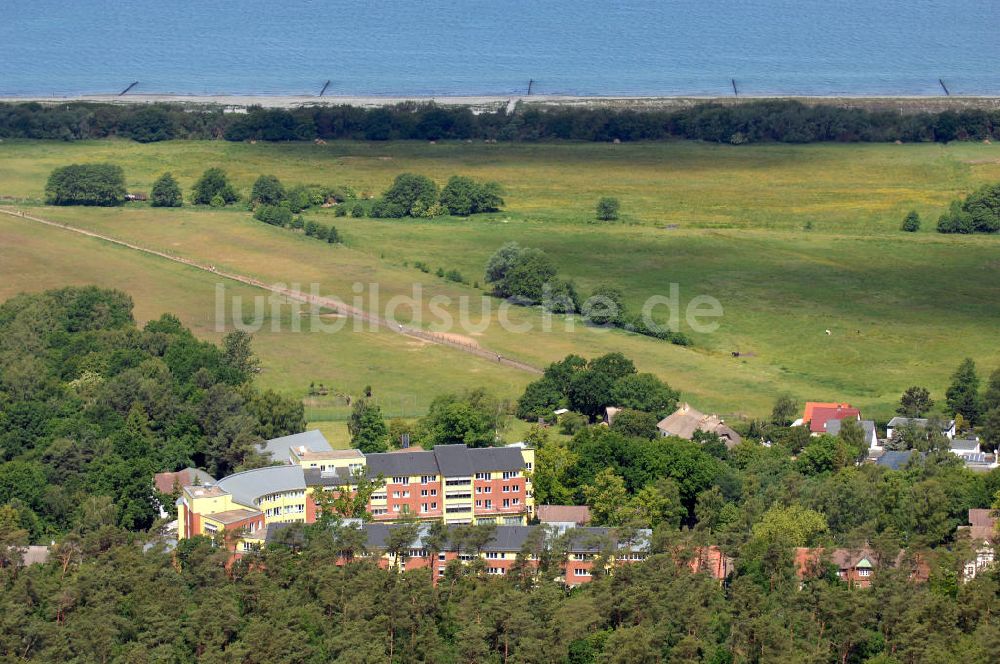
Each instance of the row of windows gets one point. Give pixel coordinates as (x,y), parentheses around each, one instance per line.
(287,509)
(277,496)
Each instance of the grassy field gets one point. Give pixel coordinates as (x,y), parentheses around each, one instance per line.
(723,221)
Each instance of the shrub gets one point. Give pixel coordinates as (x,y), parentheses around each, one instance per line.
(340,211)
(213,182)
(422,266)
(408,190)
(166,192)
(310,228)
(607,209)
(297,222)
(454,275)
(217,201)
(276,215)
(358,210)
(86,184)
(383,209)
(463,196)
(332,235)
(321,232)
(911,223)
(267,190)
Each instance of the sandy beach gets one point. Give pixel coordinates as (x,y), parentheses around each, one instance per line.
(487,102)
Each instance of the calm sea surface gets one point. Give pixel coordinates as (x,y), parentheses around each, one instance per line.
(451,47)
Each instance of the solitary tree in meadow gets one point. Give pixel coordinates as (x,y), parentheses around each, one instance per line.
(607,209)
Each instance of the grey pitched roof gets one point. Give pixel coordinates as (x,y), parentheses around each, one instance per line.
(394,464)
(895,460)
(316,477)
(921,422)
(964,444)
(867,427)
(248,486)
(279,449)
(454,460)
(274,533)
(496,458)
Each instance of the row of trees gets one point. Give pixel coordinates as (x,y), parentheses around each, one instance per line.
(746,122)
(418,196)
(529,276)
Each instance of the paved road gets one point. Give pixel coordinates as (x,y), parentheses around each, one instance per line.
(332,304)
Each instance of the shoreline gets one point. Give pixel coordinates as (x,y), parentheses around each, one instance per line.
(495,102)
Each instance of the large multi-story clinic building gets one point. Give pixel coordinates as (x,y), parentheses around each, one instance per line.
(453,483)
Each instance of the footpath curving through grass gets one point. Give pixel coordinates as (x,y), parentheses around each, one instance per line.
(722,221)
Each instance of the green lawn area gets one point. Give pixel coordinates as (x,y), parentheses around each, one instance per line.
(723,221)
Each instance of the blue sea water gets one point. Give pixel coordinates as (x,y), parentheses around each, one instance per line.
(453,47)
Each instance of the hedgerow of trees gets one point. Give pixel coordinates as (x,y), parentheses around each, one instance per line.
(528,276)
(747,122)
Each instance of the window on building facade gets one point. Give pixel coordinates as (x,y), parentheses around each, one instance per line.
(427,479)
(482,476)
(508,474)
(581,571)
(506,502)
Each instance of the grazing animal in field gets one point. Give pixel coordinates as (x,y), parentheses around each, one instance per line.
(828,333)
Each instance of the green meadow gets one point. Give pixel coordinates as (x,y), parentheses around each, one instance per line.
(792,241)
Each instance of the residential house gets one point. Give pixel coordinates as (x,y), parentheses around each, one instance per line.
(686,420)
(947,427)
(856,567)
(811,406)
(983,535)
(819,416)
(867,429)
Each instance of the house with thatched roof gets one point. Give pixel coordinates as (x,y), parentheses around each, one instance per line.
(684,421)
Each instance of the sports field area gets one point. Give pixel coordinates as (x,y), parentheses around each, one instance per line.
(793,241)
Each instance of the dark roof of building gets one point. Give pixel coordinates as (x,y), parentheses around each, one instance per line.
(919,422)
(895,459)
(446,460)
(964,444)
(496,458)
(394,464)
(275,532)
(454,460)
(336,477)
(867,427)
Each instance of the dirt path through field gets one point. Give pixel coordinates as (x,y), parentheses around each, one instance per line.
(458,342)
